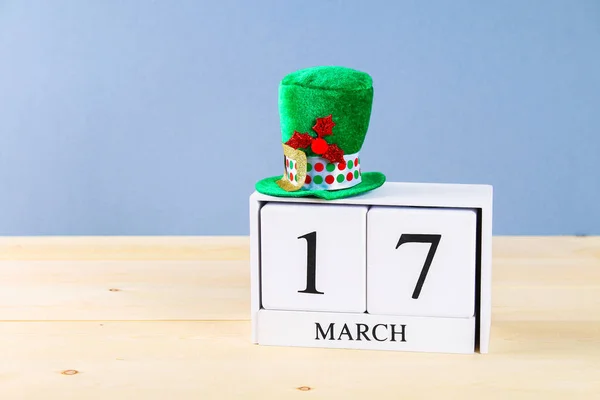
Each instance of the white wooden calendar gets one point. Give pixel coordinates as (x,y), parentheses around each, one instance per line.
(406,267)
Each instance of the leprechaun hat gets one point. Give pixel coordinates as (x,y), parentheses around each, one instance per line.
(325,113)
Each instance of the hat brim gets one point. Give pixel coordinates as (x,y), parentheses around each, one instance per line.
(369,181)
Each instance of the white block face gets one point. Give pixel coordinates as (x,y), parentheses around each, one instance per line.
(313,257)
(367,331)
(421,262)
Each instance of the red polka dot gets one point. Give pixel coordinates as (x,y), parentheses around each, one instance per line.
(342,166)
(308,179)
(291,176)
(287,162)
(329,179)
(349,176)
(356,161)
(319,167)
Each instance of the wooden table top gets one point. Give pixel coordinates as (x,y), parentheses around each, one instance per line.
(168,318)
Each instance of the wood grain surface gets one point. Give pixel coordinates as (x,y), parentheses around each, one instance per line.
(167,317)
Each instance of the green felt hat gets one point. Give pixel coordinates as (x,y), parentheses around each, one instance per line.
(325,114)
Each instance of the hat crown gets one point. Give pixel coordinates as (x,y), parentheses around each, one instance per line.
(318,92)
(329,78)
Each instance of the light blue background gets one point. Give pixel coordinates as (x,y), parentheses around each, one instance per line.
(157,117)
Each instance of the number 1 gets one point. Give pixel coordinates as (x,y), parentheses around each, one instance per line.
(311,263)
(434,240)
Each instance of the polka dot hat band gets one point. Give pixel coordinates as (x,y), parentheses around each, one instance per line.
(321,174)
(325,113)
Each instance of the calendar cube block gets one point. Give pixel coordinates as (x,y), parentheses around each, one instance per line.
(421,261)
(406,267)
(313,257)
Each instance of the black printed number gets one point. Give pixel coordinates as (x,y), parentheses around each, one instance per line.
(434,240)
(311,263)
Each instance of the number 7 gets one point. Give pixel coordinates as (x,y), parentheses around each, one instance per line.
(434,240)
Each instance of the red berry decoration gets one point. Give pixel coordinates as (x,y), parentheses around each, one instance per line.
(319,146)
(323,127)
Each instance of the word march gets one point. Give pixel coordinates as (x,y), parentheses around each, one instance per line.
(378,332)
